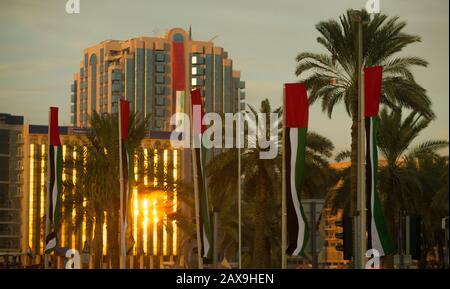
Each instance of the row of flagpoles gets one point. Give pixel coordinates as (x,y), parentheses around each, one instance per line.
(54,181)
(295,229)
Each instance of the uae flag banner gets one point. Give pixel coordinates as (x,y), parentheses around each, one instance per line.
(296,125)
(199,157)
(126,172)
(378,236)
(55,182)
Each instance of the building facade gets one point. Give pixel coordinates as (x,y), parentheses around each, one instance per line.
(154,74)
(23,189)
(12,162)
(156,236)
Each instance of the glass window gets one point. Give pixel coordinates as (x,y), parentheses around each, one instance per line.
(160,79)
(159,100)
(197,59)
(160,89)
(160,57)
(4,169)
(4,141)
(160,68)
(160,112)
(159,123)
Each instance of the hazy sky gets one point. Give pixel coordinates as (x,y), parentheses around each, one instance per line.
(41,47)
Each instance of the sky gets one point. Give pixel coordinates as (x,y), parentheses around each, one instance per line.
(41,46)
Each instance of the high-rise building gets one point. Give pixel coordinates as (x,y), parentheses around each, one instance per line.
(11,182)
(154,74)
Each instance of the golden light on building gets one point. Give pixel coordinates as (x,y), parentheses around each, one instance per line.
(73,231)
(64,176)
(135,216)
(155,165)
(135,168)
(84,199)
(174,222)
(148,210)
(105,236)
(31,199)
(155,228)
(175,165)
(63,224)
(165,230)
(84,225)
(64,151)
(145,225)
(74,170)
(146,167)
(84,158)
(73,212)
(42,199)
(165,163)
(151,226)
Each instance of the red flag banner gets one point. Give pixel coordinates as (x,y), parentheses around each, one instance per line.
(196,99)
(372,89)
(296,105)
(124,118)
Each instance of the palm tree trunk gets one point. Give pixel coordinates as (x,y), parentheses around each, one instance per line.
(98,240)
(112,223)
(354,158)
(260,252)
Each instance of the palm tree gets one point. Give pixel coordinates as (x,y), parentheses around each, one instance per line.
(411,176)
(263,174)
(432,173)
(404,189)
(333,78)
(97,179)
(261,201)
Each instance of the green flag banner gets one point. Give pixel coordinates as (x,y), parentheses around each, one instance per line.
(378,236)
(296,126)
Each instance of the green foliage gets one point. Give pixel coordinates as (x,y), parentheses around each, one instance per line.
(92,179)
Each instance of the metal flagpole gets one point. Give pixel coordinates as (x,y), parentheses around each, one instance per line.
(363,201)
(122,233)
(283,190)
(47,197)
(196,186)
(239,186)
(197,210)
(361,188)
(360,230)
